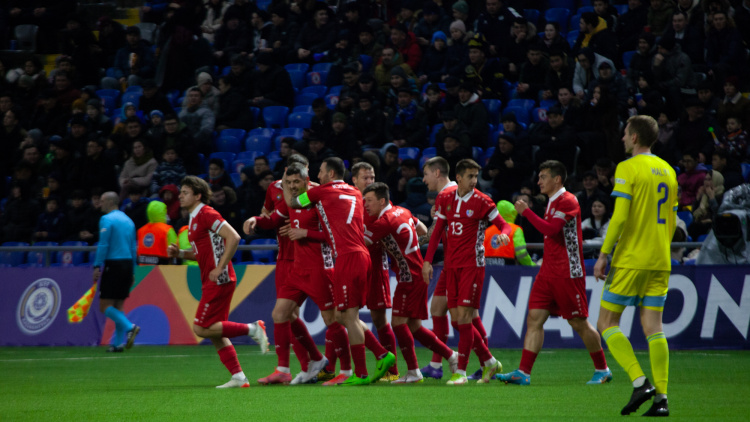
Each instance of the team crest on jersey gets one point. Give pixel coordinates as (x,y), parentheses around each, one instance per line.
(469,213)
(449,207)
(278,197)
(195,226)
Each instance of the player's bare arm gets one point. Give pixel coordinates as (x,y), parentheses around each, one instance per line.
(421,229)
(231,241)
(174,251)
(249,226)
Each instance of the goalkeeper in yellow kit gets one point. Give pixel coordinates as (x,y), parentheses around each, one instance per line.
(643,223)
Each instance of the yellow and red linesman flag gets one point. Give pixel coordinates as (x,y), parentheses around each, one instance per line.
(80,309)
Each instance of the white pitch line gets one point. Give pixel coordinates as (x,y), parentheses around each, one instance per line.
(115,357)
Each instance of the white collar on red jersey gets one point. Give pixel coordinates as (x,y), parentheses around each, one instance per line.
(448,185)
(555,196)
(196,210)
(387,207)
(466,197)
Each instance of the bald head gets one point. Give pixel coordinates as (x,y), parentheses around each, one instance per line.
(110,201)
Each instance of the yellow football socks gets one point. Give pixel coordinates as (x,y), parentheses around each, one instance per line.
(658,351)
(622,350)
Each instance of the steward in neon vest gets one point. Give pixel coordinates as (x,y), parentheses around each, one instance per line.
(155,237)
(515,251)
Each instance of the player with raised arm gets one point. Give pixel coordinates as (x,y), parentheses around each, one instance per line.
(340,208)
(643,224)
(379,293)
(466,212)
(302,343)
(560,285)
(214,242)
(398,231)
(311,276)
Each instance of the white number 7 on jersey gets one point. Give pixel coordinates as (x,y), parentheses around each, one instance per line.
(354,204)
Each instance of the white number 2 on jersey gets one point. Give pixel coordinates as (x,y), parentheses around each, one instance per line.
(457,228)
(405,226)
(354,204)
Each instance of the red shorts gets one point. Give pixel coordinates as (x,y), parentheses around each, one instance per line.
(410,300)
(283,270)
(350,280)
(315,284)
(565,297)
(214,304)
(440,288)
(464,286)
(379,289)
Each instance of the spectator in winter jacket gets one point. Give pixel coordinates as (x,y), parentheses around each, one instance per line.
(133,63)
(687,37)
(472,113)
(533,73)
(205,83)
(272,85)
(405,43)
(169,194)
(508,168)
(630,24)
(199,120)
(595,35)
(434,59)
(138,169)
(660,16)
(672,71)
(51,225)
(691,178)
(317,36)
(233,110)
(368,123)
(169,172)
(231,38)
(409,121)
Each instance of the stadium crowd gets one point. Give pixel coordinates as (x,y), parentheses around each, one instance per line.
(229,90)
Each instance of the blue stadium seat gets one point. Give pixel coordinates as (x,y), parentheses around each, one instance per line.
(547,103)
(258,143)
(685,216)
(422,161)
(518,102)
(236,179)
(487,156)
(493,110)
(621,9)
(225,70)
(228,157)
(746,171)
(301,120)
(408,152)
(241,163)
(583,9)
(108,92)
(366,62)
(572,37)
(71,258)
(589,264)
(335,90)
(267,256)
(238,254)
(492,134)
(539,114)
(559,15)
(522,114)
(477,153)
(177,110)
(429,152)
(227,143)
(299,79)
(37,258)
(702,237)
(262,131)
(305,99)
(134,88)
(237,133)
(433,132)
(318,90)
(567,4)
(322,67)
(531,15)
(574,23)
(332,101)
(302,109)
(275,116)
(255,111)
(249,156)
(273,158)
(317,78)
(627,57)
(13,259)
(132,97)
(300,67)
(110,103)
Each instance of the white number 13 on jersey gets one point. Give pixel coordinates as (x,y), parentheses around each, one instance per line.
(457,229)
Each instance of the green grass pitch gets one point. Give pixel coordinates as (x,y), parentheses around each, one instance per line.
(176,383)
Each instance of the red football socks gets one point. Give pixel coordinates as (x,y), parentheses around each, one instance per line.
(373,345)
(465,341)
(228,357)
(301,352)
(330,349)
(527,361)
(440,328)
(406,344)
(282,334)
(341,345)
(477,323)
(360,362)
(600,362)
(479,347)
(231,329)
(388,340)
(299,329)
(430,341)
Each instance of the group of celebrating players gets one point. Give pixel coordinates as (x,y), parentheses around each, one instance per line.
(333,241)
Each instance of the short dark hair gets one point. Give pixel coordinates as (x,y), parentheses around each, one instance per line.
(226,79)
(646,128)
(362,165)
(262,157)
(380,189)
(335,164)
(318,103)
(171,116)
(289,141)
(297,168)
(466,164)
(555,168)
(196,89)
(297,158)
(438,163)
(198,186)
(132,119)
(590,18)
(218,161)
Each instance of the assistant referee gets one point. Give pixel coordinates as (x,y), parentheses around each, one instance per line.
(115,262)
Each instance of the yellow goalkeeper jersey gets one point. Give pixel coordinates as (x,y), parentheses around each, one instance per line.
(650,186)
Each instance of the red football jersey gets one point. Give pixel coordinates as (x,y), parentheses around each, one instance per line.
(274,197)
(395,227)
(467,218)
(208,246)
(340,209)
(563,251)
(377,253)
(309,254)
(444,237)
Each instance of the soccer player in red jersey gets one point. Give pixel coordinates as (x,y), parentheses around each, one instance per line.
(214,243)
(560,285)
(340,208)
(311,276)
(284,263)
(399,232)
(466,212)
(379,293)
